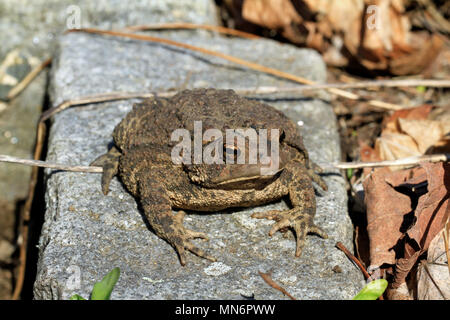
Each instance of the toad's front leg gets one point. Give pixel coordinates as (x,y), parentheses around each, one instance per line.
(158,211)
(302,197)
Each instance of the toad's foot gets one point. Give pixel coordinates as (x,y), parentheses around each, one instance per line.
(110,164)
(301,223)
(317,179)
(179,238)
(313,171)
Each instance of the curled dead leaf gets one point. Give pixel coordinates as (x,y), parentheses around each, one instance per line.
(386,209)
(432,208)
(410,133)
(426,133)
(405,210)
(392,146)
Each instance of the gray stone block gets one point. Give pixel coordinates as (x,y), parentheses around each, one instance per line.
(31,27)
(86,234)
(37,23)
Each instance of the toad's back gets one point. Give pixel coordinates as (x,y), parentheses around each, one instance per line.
(154,120)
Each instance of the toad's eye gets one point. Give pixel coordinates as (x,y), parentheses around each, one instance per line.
(231,152)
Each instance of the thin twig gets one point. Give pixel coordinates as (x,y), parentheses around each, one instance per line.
(268,279)
(236,60)
(340,246)
(389,163)
(425,266)
(44,164)
(446,236)
(104,97)
(26,213)
(342,165)
(27,80)
(327,86)
(114,96)
(33,73)
(384,83)
(185,25)
(248,64)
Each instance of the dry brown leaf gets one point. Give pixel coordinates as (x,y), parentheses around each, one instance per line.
(374,33)
(343,17)
(367,154)
(402,268)
(426,133)
(409,133)
(432,207)
(417,113)
(400,293)
(392,146)
(440,66)
(409,177)
(386,31)
(398,232)
(392,46)
(385,210)
(273,14)
(425,50)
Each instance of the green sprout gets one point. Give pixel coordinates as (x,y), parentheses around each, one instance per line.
(372,291)
(349,173)
(102,290)
(421,89)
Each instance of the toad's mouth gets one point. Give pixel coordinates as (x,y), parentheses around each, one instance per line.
(242,176)
(246,175)
(244,179)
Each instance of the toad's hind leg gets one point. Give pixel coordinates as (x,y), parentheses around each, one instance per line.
(110,164)
(301,216)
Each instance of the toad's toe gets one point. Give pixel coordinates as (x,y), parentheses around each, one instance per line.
(301,223)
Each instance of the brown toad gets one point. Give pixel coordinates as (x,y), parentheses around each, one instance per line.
(143,156)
